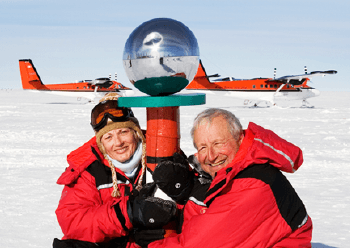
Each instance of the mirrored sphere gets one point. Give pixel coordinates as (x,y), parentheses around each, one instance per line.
(161,56)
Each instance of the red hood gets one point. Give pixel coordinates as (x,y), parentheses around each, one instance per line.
(78,161)
(261,146)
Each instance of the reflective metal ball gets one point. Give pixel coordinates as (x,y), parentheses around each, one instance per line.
(161,57)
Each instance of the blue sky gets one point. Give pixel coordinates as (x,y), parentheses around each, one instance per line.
(74,40)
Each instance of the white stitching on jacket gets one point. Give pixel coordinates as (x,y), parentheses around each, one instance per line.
(110,185)
(278,151)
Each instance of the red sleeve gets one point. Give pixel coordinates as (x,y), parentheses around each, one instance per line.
(246,216)
(192,209)
(82,215)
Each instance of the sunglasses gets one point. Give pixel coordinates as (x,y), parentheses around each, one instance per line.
(108,110)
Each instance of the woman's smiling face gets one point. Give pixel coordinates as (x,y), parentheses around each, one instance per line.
(120,144)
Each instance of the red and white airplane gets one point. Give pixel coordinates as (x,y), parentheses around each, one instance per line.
(256,90)
(89,89)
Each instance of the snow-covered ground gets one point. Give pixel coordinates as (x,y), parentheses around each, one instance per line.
(38,130)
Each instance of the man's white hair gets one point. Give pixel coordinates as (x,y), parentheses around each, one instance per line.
(233,124)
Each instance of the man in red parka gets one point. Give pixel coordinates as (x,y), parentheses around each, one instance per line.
(249,202)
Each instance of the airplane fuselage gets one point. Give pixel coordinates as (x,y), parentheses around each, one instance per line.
(257,84)
(90,89)
(76,87)
(256,89)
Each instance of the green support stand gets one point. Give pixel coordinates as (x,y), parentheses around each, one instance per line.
(162,101)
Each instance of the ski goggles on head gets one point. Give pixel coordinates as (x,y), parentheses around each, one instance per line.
(108,110)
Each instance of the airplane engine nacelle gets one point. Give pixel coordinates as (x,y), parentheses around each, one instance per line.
(102,82)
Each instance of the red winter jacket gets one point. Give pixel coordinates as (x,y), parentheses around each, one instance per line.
(250,203)
(86,210)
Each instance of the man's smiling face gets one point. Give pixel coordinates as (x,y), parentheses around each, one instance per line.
(215,145)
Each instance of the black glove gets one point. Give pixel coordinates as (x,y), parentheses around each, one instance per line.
(146,211)
(174,178)
(143,237)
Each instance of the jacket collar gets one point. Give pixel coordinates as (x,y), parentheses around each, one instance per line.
(83,157)
(259,146)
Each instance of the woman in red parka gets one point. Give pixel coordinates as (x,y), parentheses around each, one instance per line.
(97,207)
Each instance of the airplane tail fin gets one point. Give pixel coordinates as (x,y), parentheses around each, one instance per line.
(30,78)
(201,70)
(200,80)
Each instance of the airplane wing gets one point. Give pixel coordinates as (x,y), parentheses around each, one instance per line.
(293,79)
